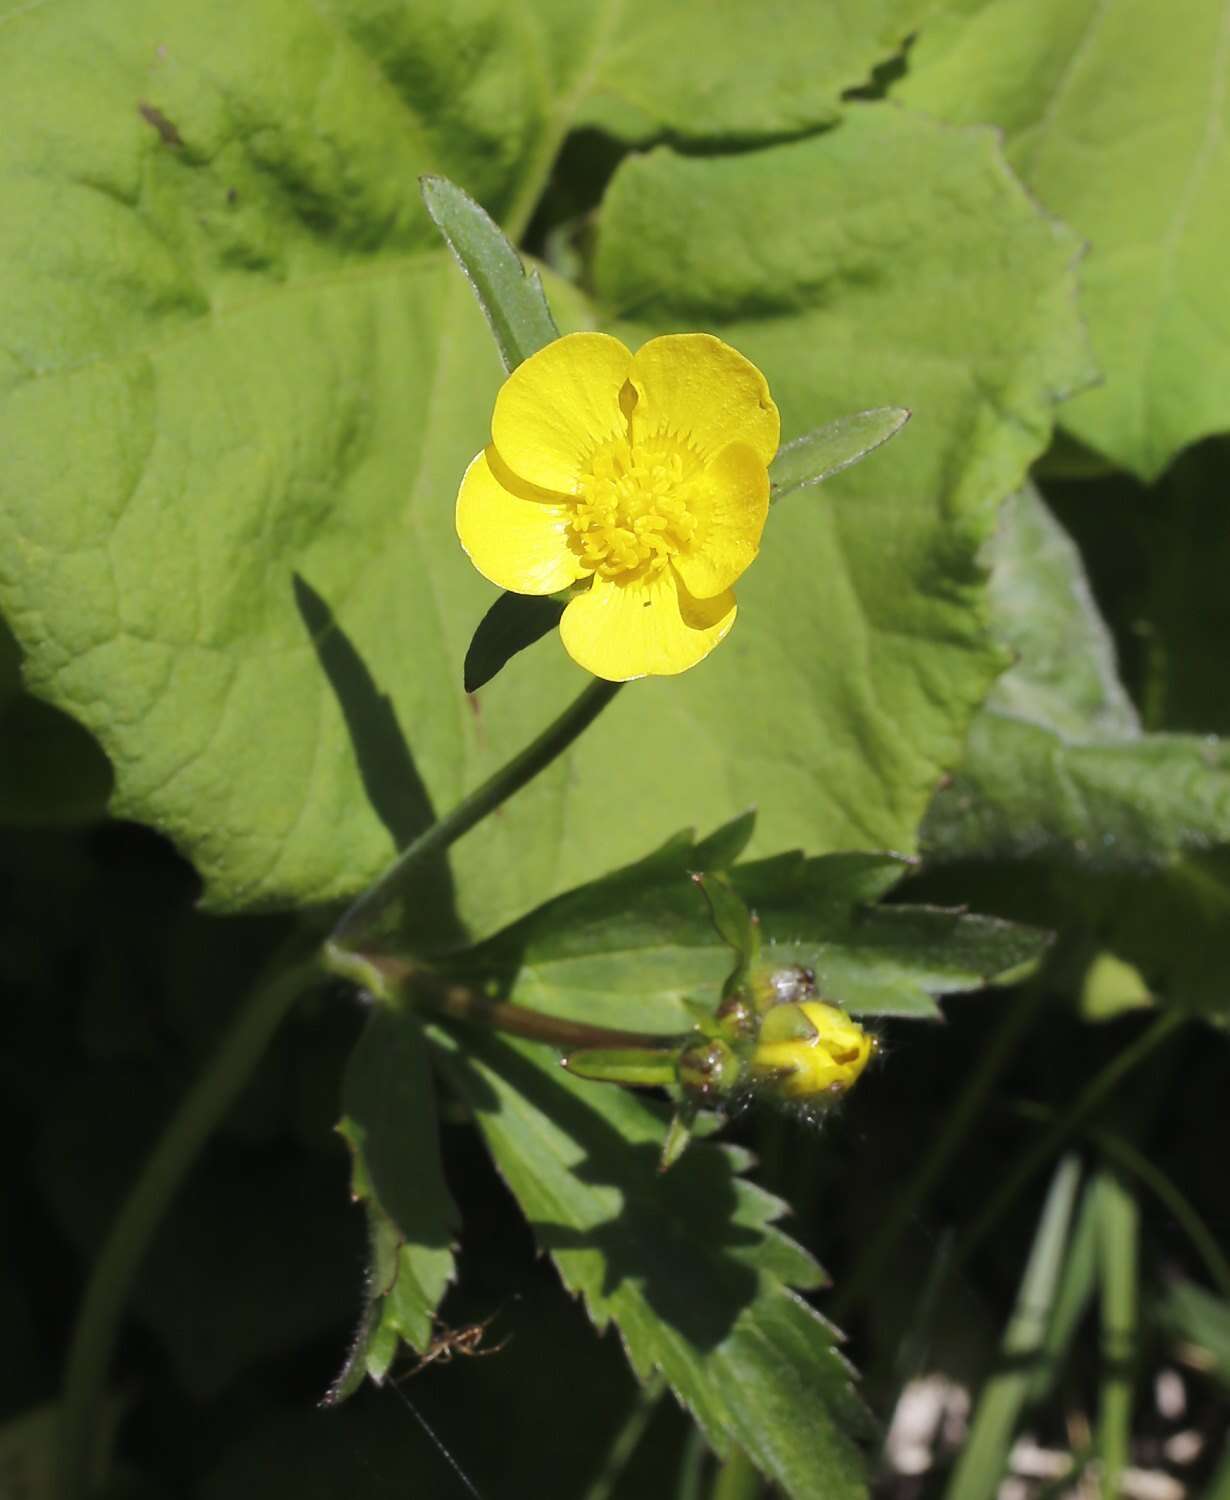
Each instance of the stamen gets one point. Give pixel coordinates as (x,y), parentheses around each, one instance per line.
(635,508)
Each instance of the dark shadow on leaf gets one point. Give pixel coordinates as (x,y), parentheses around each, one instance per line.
(391,779)
(676,1237)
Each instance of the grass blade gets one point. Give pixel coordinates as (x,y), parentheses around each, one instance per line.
(1118,1221)
(1072,1297)
(1005,1395)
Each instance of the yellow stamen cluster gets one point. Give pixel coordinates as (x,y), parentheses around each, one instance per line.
(634,511)
(637,484)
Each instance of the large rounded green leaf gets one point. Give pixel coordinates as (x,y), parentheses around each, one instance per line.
(240,384)
(1118,117)
(859,655)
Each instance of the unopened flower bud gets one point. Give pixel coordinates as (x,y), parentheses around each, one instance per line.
(811,1048)
(789,984)
(736,1018)
(708,1070)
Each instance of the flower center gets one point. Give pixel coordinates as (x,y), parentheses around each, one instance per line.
(634,511)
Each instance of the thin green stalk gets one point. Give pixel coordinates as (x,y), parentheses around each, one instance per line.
(906,1204)
(1072,1298)
(910,1356)
(229,1070)
(1118,1233)
(1087,1101)
(627,1439)
(111,1280)
(497,789)
(1176,1204)
(1091,1096)
(1203,1241)
(738,1478)
(690,1483)
(1004,1396)
(458,1002)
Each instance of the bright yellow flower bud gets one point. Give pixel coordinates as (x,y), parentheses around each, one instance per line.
(643,479)
(812,1048)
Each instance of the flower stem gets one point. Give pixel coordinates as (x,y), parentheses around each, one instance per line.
(1125,1156)
(510,778)
(738,1478)
(225,1077)
(909,1200)
(212,1095)
(1095,1091)
(627,1438)
(457,1002)
(872,1262)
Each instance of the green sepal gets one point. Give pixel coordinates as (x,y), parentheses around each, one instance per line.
(706,1022)
(678,1136)
(736,924)
(835,446)
(635,1067)
(765,1078)
(512,298)
(513,622)
(787,1023)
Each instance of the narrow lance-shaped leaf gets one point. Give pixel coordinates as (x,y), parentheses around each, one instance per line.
(512,298)
(738,927)
(835,446)
(1003,1398)
(513,622)
(1119,1276)
(1198,1317)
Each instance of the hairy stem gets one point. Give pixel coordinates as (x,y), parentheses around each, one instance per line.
(510,778)
(210,1098)
(458,1002)
(1093,1094)
(224,1078)
(738,1478)
(943,1148)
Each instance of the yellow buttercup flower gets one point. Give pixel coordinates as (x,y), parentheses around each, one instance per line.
(811,1048)
(645,476)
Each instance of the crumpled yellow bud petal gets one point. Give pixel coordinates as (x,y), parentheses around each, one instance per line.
(827,1055)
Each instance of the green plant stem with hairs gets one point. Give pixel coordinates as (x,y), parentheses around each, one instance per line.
(1095,1092)
(225,1077)
(909,1200)
(874,1259)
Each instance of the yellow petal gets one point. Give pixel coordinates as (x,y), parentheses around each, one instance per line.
(830,1060)
(557,407)
(701,389)
(515,539)
(729,504)
(650,628)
